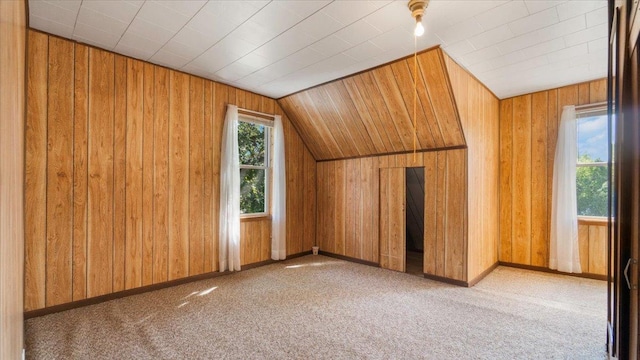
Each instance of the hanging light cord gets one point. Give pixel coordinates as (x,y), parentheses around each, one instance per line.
(415,93)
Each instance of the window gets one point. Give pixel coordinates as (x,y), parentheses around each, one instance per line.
(253,145)
(592,168)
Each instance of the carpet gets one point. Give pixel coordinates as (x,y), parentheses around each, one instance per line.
(316,307)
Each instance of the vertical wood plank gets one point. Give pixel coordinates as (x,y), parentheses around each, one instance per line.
(597,250)
(583,94)
(119,173)
(60,172)
(35,198)
(339,207)
(309,201)
(440,223)
(178,175)
(430,182)
(148,175)
(539,224)
(81,109)
(583,247)
(133,175)
(208,176)
(100,184)
(521,209)
(455,249)
(196,176)
(161,175)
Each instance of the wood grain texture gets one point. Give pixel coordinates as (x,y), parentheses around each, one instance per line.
(479,112)
(12,177)
(134,151)
(36,172)
(371,113)
(392,218)
(528,136)
(365,229)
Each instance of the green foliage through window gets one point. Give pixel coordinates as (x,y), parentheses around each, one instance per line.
(253,150)
(592,188)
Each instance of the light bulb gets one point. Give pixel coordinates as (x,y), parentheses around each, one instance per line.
(419,29)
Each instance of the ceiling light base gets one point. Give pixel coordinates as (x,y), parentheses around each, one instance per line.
(417,8)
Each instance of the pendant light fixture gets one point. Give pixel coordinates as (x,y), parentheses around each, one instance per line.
(417,8)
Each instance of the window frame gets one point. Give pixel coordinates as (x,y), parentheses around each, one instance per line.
(582,114)
(268,137)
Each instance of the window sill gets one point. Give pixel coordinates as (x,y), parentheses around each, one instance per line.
(256,217)
(593,220)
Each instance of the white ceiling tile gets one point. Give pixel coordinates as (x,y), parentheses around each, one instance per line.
(391,16)
(363,51)
(149,30)
(480,55)
(358,32)
(98,37)
(169,59)
(562,28)
(304,8)
(231,12)
(574,8)
(143,48)
(396,39)
(71,5)
(216,27)
(235,71)
(186,8)
(599,45)
(277,17)
(55,11)
(122,11)
(212,60)
(449,13)
(518,43)
(544,48)
(597,17)
(49,26)
(491,37)
(577,50)
(498,62)
(349,11)
(586,35)
(184,50)
(459,32)
(190,40)
(254,33)
(330,45)
(534,22)
(101,21)
(254,60)
(284,45)
(502,14)
(460,48)
(319,25)
(307,56)
(535,6)
(154,12)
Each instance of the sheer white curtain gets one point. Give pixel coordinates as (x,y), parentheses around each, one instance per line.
(564,251)
(230,193)
(279,214)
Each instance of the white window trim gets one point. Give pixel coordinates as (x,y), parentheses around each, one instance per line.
(267,167)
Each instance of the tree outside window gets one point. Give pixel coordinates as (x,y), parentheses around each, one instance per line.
(253,146)
(592,168)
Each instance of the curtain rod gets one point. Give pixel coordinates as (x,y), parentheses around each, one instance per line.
(592,106)
(256,114)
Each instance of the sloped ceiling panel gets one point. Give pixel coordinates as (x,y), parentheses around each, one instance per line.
(371,113)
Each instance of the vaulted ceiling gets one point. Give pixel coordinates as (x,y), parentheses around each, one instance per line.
(372,112)
(276,48)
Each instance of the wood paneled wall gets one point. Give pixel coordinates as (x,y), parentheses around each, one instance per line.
(349,208)
(123,167)
(592,240)
(528,135)
(12,105)
(371,113)
(479,115)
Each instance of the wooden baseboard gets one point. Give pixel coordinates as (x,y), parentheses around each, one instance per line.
(547,270)
(144,289)
(348,258)
(483,274)
(447,280)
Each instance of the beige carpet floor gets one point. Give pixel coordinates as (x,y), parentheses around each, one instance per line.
(315,307)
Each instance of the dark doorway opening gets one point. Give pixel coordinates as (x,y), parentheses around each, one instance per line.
(414,221)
